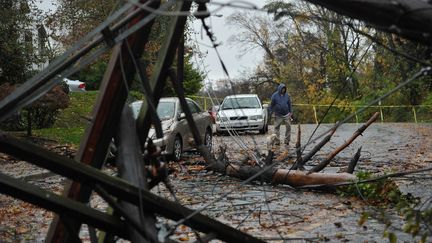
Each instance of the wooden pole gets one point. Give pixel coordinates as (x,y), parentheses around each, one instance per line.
(131,168)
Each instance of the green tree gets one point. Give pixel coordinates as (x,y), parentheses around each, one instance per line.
(193,80)
(16,41)
(73,19)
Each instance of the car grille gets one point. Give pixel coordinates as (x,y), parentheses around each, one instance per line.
(233,118)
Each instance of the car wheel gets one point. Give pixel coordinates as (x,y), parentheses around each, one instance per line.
(178,149)
(208,139)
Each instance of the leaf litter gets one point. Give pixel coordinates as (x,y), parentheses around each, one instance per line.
(265,211)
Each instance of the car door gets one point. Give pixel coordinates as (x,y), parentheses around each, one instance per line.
(198,117)
(183,128)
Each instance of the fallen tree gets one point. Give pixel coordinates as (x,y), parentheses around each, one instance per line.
(272,175)
(292,176)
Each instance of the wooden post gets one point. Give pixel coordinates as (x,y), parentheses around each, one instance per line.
(356,115)
(315,114)
(106,114)
(381,112)
(131,168)
(119,188)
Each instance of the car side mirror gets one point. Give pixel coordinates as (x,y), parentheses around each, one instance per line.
(182,116)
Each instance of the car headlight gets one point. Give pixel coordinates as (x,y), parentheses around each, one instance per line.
(166,129)
(256,117)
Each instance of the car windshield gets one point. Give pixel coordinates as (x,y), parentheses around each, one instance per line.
(240,102)
(165,109)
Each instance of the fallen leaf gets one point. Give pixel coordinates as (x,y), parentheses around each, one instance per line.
(22,230)
(184,238)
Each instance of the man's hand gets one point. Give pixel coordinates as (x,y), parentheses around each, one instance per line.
(289,116)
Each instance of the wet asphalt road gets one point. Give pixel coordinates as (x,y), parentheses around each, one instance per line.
(280,212)
(272,213)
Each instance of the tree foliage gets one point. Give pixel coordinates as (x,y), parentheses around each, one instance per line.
(73,19)
(324,57)
(40,114)
(16,41)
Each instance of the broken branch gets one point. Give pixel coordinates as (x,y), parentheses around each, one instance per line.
(318,146)
(354,161)
(299,161)
(329,157)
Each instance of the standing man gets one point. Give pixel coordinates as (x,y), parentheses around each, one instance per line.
(281,106)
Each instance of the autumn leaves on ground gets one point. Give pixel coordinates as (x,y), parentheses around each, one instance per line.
(265,211)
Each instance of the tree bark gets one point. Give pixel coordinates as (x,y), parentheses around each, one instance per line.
(131,168)
(354,161)
(281,176)
(297,178)
(299,161)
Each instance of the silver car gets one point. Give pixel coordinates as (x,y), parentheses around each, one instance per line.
(177,136)
(242,112)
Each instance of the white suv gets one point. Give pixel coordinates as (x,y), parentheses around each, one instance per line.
(241,112)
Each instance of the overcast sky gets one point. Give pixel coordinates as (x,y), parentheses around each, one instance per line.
(229,54)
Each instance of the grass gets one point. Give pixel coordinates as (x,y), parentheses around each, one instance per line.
(62,135)
(71,122)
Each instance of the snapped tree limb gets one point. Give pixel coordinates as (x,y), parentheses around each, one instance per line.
(330,156)
(323,142)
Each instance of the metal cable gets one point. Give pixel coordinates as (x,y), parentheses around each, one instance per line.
(267,168)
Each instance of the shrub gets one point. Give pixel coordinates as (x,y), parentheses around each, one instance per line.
(40,114)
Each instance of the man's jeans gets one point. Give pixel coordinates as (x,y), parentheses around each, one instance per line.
(278,123)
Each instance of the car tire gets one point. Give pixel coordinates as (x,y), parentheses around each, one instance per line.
(208,139)
(177,149)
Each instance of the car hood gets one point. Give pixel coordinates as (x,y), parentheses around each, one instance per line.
(166,125)
(240,112)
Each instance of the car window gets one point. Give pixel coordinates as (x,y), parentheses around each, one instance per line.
(193,107)
(240,102)
(166,110)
